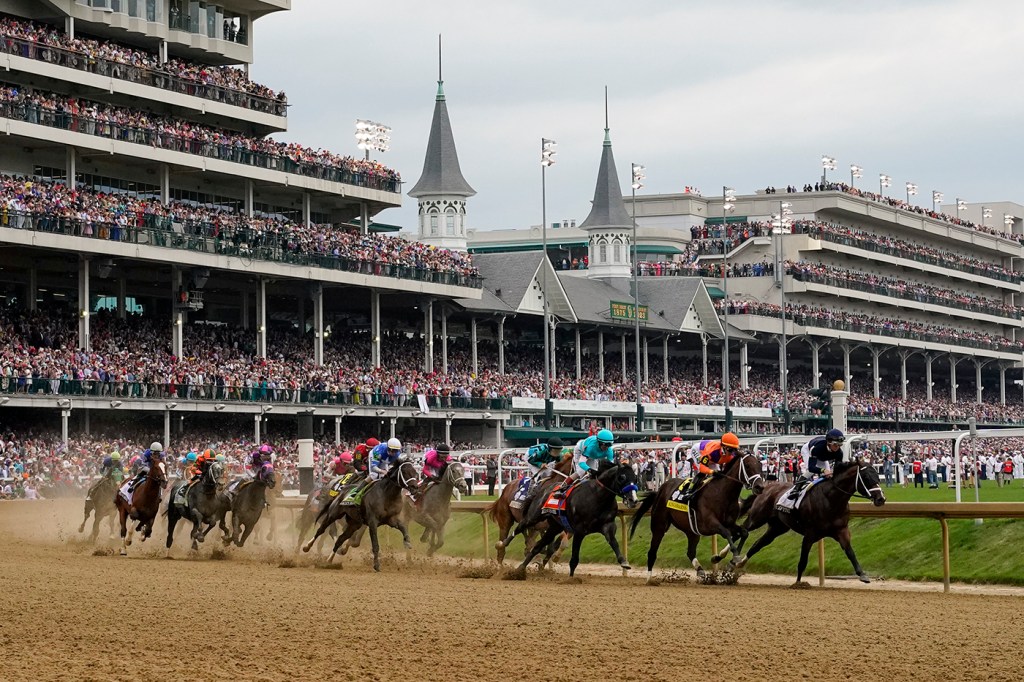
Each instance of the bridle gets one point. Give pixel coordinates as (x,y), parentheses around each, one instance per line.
(858,485)
(157,465)
(403,480)
(744,479)
(626,489)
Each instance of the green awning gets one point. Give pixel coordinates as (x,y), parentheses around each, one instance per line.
(713,292)
(524,246)
(377,227)
(531,434)
(669,250)
(730,219)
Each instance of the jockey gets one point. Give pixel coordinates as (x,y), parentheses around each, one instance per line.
(342,464)
(714,455)
(383,456)
(588,455)
(435,463)
(258,457)
(693,457)
(539,458)
(818,453)
(202,463)
(140,465)
(111,467)
(361,454)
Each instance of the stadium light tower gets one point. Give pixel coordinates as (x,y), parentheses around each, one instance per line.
(855,172)
(638,177)
(986,213)
(547,158)
(936,200)
(1008,221)
(728,205)
(782,222)
(371,135)
(961,205)
(883,182)
(827,163)
(911,191)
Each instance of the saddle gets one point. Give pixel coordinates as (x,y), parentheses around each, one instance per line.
(181,495)
(522,492)
(126,490)
(339,482)
(681,497)
(355,496)
(787,505)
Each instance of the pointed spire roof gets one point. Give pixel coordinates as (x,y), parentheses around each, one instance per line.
(441,172)
(608,209)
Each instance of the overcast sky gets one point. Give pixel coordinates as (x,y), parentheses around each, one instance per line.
(745,93)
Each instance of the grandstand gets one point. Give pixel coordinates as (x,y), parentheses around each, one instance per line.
(164,255)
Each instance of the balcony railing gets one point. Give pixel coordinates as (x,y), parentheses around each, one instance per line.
(243,243)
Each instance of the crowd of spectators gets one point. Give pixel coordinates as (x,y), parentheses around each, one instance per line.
(831,275)
(31,203)
(50,44)
(140,127)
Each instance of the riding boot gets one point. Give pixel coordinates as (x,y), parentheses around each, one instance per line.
(798,485)
(695,484)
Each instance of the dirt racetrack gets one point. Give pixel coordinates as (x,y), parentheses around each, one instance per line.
(74,611)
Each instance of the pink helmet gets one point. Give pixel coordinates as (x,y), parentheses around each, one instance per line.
(266,449)
(345,457)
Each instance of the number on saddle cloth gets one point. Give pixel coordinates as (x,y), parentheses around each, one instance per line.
(521,491)
(355,496)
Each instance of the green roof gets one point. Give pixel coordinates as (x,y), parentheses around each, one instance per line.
(714,292)
(377,227)
(521,246)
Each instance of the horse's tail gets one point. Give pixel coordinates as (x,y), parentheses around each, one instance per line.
(645,506)
(492,510)
(746,504)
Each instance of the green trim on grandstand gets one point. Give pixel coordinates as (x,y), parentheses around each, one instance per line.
(715,292)
(731,219)
(536,246)
(375,226)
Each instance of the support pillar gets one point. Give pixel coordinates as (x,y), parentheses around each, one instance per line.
(249,190)
(306,209)
(364,218)
(165,184)
(444,340)
(337,430)
(704,356)
(501,345)
(84,340)
(876,376)
(847,376)
(177,312)
(1002,384)
(554,347)
(70,167)
(978,364)
(473,343)
(69,27)
(600,356)
(623,348)
(428,336)
(65,415)
(394,427)
(579,355)
(928,383)
(903,373)
(447,430)
(318,324)
(647,361)
(305,433)
(122,297)
(744,369)
(257,419)
(953,362)
(167,430)
(33,288)
(261,318)
(375,329)
(664,358)
(815,365)
(163,52)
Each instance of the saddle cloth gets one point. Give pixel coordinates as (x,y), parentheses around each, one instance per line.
(784,504)
(339,482)
(675,500)
(521,493)
(181,495)
(125,491)
(355,496)
(555,503)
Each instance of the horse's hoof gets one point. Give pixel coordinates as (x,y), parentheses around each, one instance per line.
(376,567)
(408,546)
(800,585)
(715,559)
(864,579)
(81,529)
(625,566)
(500,544)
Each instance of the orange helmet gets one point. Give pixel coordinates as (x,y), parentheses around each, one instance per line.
(729,440)
(208,454)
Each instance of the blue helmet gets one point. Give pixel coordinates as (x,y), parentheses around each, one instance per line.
(191,457)
(605,436)
(835,436)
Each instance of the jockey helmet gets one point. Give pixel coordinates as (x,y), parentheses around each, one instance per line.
(345,457)
(372,443)
(191,457)
(394,444)
(116,456)
(136,459)
(208,454)
(442,449)
(220,457)
(156,447)
(834,436)
(729,440)
(555,442)
(266,449)
(605,437)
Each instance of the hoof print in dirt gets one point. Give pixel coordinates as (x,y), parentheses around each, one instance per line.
(478,572)
(514,574)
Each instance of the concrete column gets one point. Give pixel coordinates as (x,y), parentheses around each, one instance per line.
(84,340)
(977,380)
(664,357)
(704,356)
(307,209)
(71,166)
(744,370)
(447,430)
(846,368)
(428,336)
(33,288)
(249,190)
(256,430)
(394,425)
(165,185)
(122,297)
(499,434)
(305,443)
(364,218)
(163,52)
(815,367)
(600,355)
(1002,384)
(903,374)
(554,346)
(876,377)
(928,376)
(375,340)
(167,430)
(444,340)
(473,343)
(337,430)
(177,313)
(261,318)
(622,344)
(318,324)
(501,345)
(953,362)
(69,27)
(647,360)
(579,355)
(244,310)
(65,415)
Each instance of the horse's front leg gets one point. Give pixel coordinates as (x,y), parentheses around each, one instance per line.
(775,529)
(126,538)
(248,529)
(843,538)
(324,525)
(608,531)
(692,541)
(549,536)
(805,550)
(371,524)
(350,529)
(574,560)
(88,510)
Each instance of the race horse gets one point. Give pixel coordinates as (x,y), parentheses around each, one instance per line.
(100,502)
(202,502)
(143,503)
(505,515)
(247,502)
(434,507)
(824,512)
(711,510)
(381,504)
(319,499)
(589,507)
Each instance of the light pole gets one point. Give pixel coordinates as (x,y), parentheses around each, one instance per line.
(883,182)
(936,200)
(986,213)
(371,135)
(638,178)
(961,205)
(827,163)
(547,158)
(911,191)
(855,172)
(783,221)
(1008,222)
(728,204)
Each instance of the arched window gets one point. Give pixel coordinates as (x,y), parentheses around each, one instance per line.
(617,252)
(433,225)
(450,224)
(602,252)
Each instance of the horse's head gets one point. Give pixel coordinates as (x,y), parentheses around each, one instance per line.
(749,472)
(214,475)
(865,481)
(403,473)
(266,476)
(620,479)
(157,471)
(455,474)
